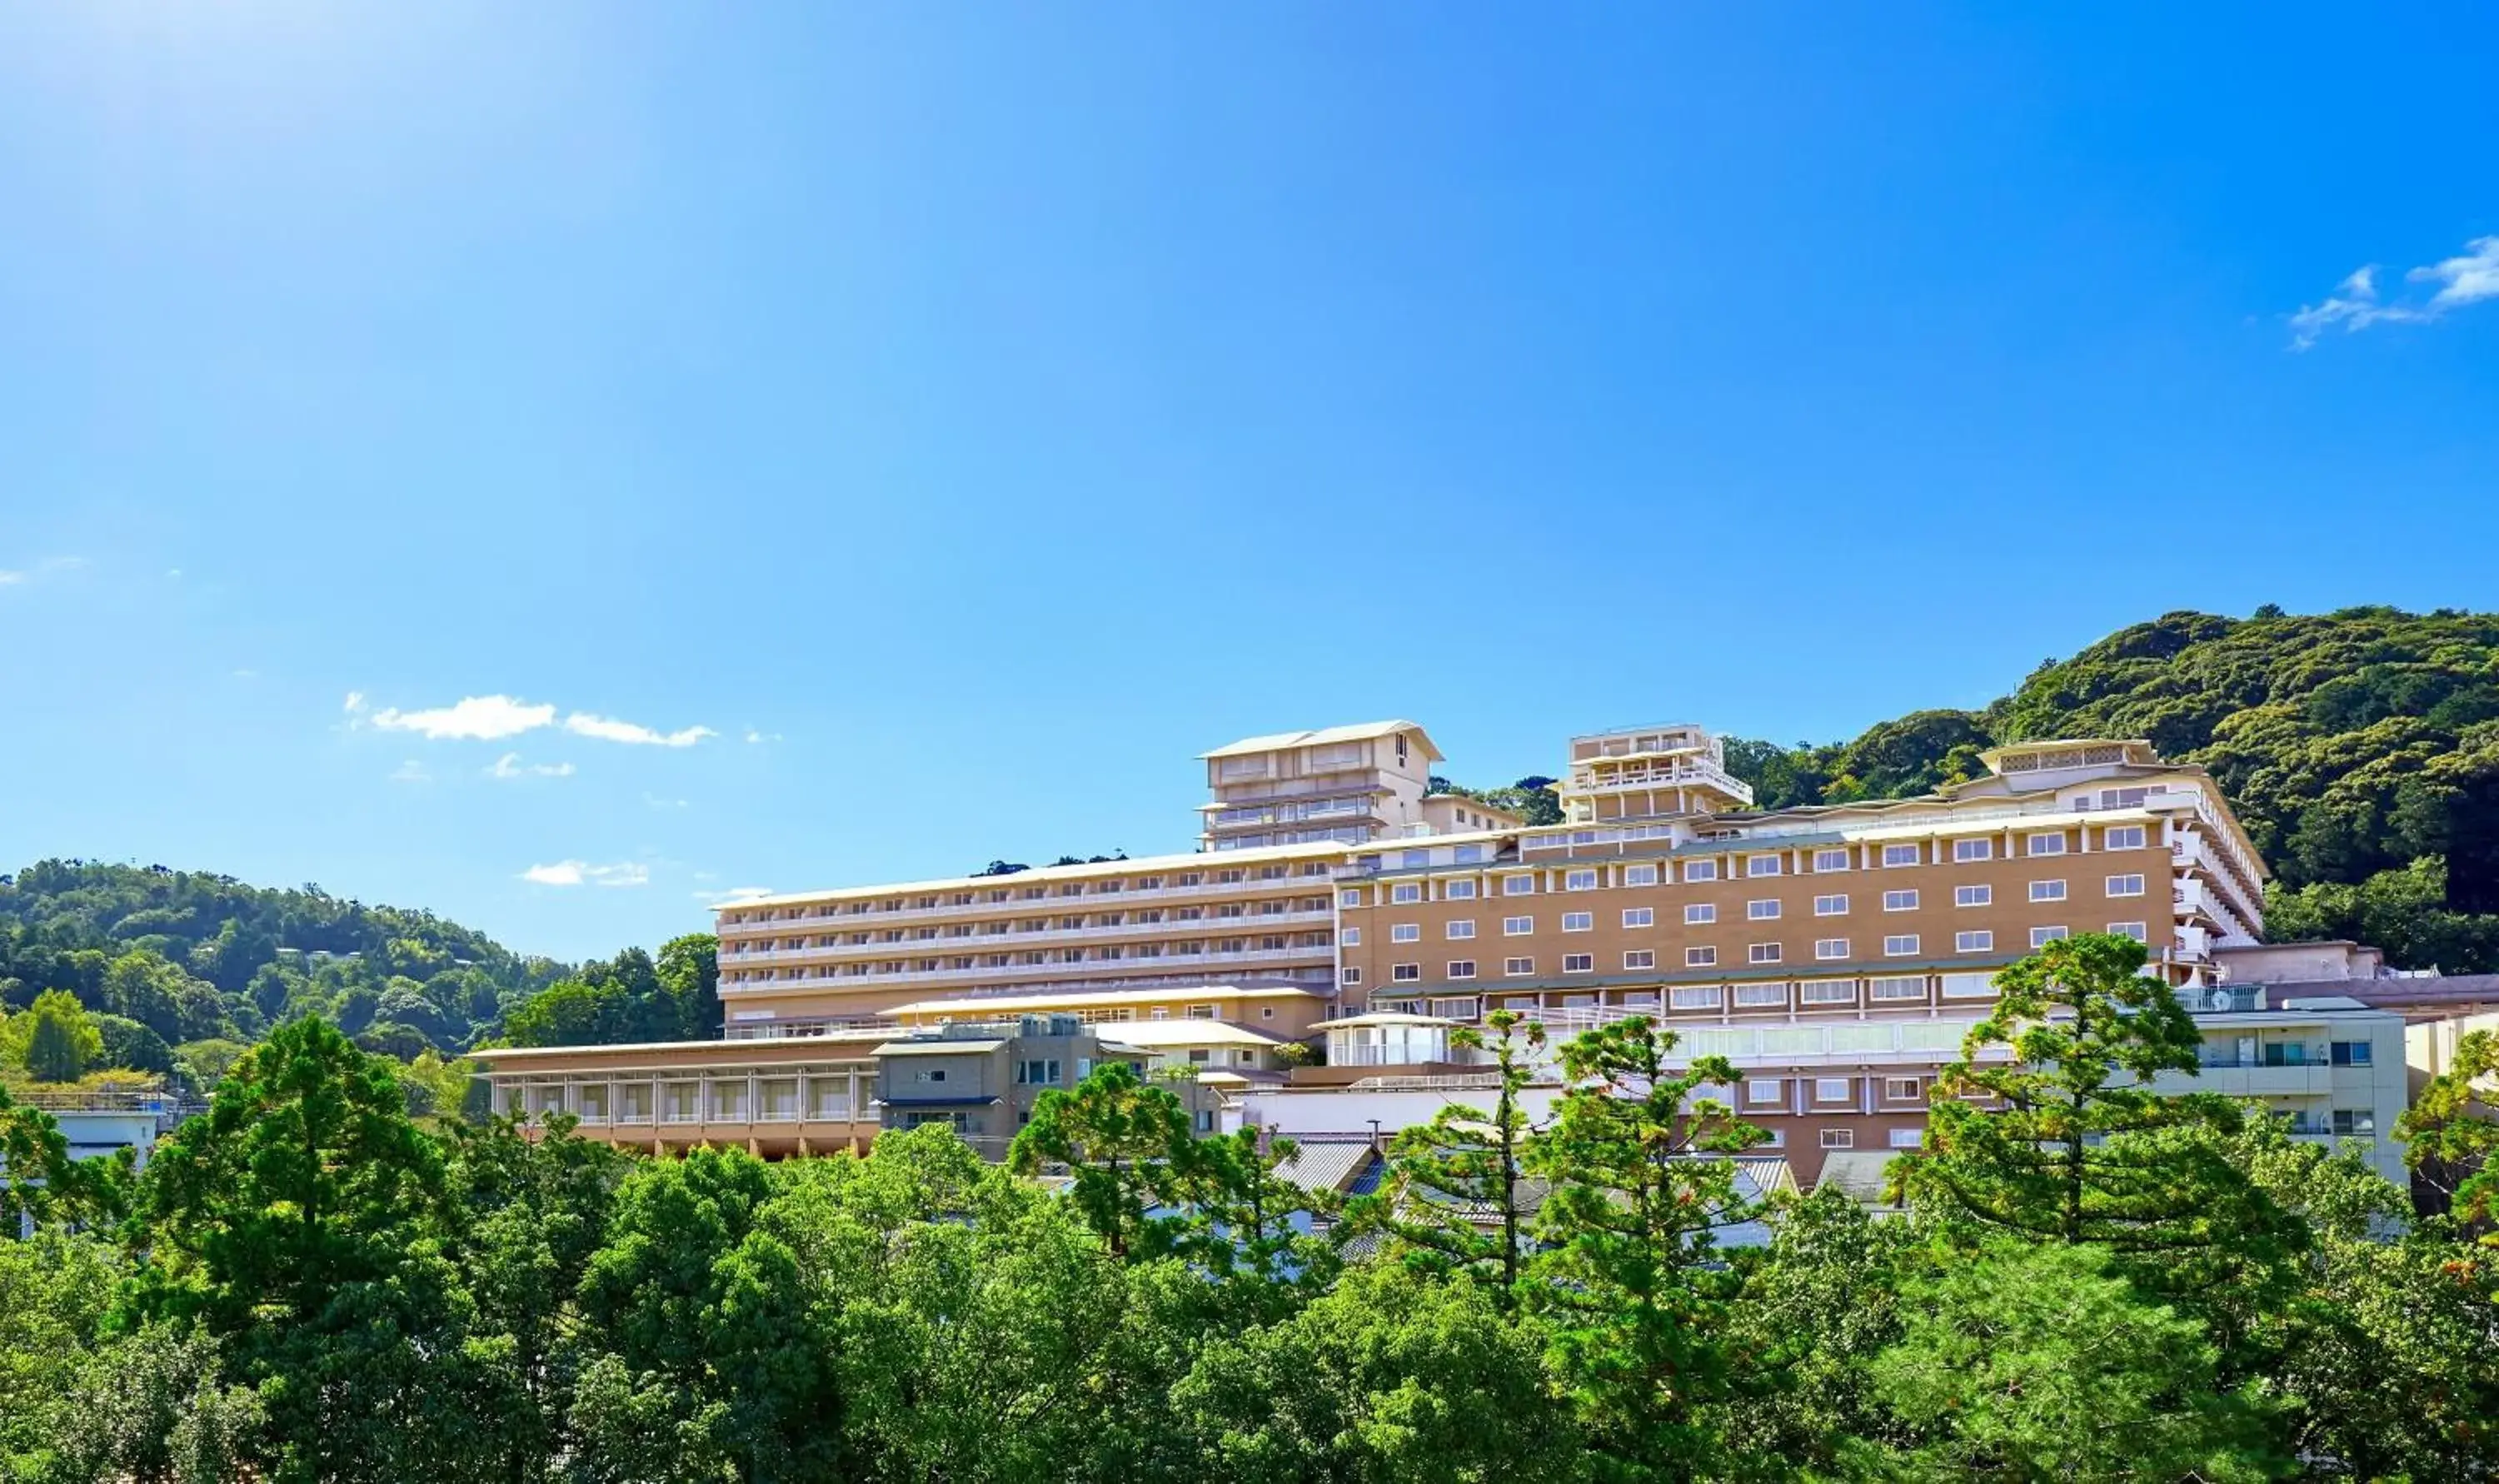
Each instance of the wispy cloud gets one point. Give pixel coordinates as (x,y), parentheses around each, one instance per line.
(2356,303)
(479,718)
(410,772)
(581,873)
(654,801)
(582,723)
(733,894)
(497,718)
(752,735)
(510,765)
(50,567)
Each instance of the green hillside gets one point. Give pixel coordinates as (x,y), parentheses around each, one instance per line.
(186,967)
(2360,747)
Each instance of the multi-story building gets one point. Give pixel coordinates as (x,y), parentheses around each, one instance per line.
(1838,953)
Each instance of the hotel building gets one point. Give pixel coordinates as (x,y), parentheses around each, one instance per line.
(1838,953)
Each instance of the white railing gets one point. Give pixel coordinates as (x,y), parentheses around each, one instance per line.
(816,922)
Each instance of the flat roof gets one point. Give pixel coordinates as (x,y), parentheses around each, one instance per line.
(936,1045)
(1150,1035)
(833,1047)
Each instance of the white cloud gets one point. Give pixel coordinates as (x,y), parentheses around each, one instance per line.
(510,765)
(484,718)
(733,894)
(608,729)
(2467,279)
(2356,303)
(580,873)
(751,735)
(11,577)
(410,772)
(247,674)
(355,703)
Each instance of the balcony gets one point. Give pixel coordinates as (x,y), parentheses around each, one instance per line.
(1258,966)
(1016,905)
(1608,777)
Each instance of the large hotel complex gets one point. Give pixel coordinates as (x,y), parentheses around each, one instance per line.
(1339,913)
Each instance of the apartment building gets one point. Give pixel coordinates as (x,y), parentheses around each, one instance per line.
(1341,786)
(1838,954)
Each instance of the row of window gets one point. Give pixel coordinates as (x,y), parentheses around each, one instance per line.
(1229,877)
(2120,837)
(1763,909)
(1222,911)
(1634,960)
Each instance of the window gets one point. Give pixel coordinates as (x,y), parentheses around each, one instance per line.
(1578,963)
(1831,1089)
(2349,1121)
(1412,858)
(1774,996)
(2126,885)
(2132,930)
(1464,927)
(1406,973)
(1460,891)
(1898,989)
(1701,870)
(1038,1073)
(1900,901)
(1900,854)
(1762,911)
(1579,881)
(1830,906)
(1901,945)
(1518,885)
(2047,892)
(1640,917)
(1831,860)
(1517,927)
(1974,897)
(1462,968)
(1405,932)
(1968,987)
(2048,845)
(1694,997)
(937,1074)
(1640,959)
(1973,849)
(1700,957)
(2122,837)
(2041,937)
(1761,865)
(1639,876)
(1764,1089)
(1829,948)
(1829,991)
(1351,937)
(1980,942)
(1696,914)
(2350,1054)
(1762,953)
(1406,892)
(1351,896)
(1578,921)
(1899,1089)
(1839,1139)
(1516,967)
(1907,1138)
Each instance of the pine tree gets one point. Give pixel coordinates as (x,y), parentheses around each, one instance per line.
(1466,1170)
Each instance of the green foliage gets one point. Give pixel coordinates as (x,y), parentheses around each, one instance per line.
(2450,1132)
(2025,1362)
(1462,1200)
(2361,749)
(54,1292)
(55,1041)
(1119,1139)
(1532,798)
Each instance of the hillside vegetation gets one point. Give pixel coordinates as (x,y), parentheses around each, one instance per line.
(2360,748)
(179,971)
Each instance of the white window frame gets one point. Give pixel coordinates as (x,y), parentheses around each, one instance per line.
(1459,928)
(1514,967)
(1976,939)
(1518,885)
(1699,870)
(1826,949)
(1829,861)
(1406,974)
(1639,876)
(1517,927)
(1901,945)
(1762,909)
(2051,843)
(1578,963)
(1458,891)
(1403,892)
(1405,932)
(1838,1138)
(1700,914)
(1640,917)
(2123,886)
(1640,959)
(2041,937)
(1823,1090)
(1975,895)
(1910,854)
(1578,921)
(1834,905)
(1461,968)
(1900,901)
(2048,890)
(2124,837)
(1763,865)
(1585,880)
(2140,932)
(1896,988)
(1702,957)
(1693,997)
(1762,953)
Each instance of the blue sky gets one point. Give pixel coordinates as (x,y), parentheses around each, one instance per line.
(940,423)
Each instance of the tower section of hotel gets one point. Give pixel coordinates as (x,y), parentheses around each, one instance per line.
(1341,786)
(1841,951)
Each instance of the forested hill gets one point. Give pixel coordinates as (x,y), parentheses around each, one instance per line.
(2360,748)
(186,967)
